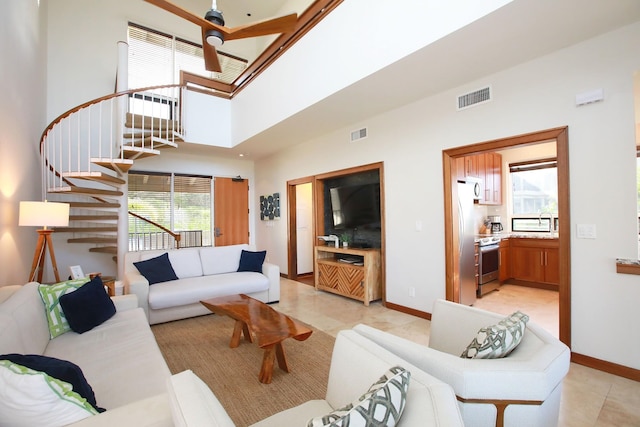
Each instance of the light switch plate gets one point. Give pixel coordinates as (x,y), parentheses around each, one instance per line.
(586,231)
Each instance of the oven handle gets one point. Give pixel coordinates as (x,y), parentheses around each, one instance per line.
(487,248)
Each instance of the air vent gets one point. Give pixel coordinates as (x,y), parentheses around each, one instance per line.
(474,98)
(359,134)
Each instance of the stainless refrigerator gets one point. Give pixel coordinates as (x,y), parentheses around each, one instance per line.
(466,251)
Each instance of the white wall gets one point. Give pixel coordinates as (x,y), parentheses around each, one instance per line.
(329,61)
(22,76)
(533,96)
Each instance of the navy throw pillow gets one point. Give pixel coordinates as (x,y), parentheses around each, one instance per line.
(252,261)
(59,369)
(157,269)
(88,306)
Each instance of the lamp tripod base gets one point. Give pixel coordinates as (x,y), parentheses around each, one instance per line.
(37,267)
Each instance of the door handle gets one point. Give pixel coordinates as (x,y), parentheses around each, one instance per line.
(216,232)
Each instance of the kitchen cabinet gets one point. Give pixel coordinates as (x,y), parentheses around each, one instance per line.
(488,168)
(504,261)
(492,194)
(467,166)
(535,260)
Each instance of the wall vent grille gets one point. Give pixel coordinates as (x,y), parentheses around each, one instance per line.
(359,134)
(474,98)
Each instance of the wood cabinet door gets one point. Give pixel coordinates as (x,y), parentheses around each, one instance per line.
(496,176)
(231,211)
(552,266)
(527,264)
(504,272)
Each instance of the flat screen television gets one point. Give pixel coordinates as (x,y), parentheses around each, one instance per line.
(356,206)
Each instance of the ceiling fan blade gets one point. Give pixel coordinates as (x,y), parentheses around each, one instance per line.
(211,61)
(185,14)
(283,24)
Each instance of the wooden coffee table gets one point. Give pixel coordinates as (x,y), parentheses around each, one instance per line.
(270,328)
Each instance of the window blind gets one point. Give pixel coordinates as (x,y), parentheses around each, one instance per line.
(149,197)
(192,205)
(533,165)
(156,58)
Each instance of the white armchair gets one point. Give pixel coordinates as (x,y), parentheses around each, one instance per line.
(522,389)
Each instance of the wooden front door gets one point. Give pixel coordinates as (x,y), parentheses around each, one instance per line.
(231,211)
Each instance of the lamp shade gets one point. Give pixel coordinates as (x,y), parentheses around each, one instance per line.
(43,214)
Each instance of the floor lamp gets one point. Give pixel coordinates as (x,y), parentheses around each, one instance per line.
(43,214)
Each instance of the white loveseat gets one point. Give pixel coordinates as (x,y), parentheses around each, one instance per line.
(528,382)
(203,273)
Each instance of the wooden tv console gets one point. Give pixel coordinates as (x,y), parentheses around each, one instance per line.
(360,280)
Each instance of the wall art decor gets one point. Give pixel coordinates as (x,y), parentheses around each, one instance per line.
(270,207)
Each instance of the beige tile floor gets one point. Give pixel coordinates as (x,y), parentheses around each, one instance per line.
(589,397)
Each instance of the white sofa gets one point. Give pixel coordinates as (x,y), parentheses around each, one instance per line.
(203,273)
(119,358)
(528,381)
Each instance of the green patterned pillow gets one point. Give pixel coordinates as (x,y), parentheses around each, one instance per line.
(30,397)
(382,405)
(499,340)
(50,295)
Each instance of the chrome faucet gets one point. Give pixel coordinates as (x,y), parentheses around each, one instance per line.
(550,220)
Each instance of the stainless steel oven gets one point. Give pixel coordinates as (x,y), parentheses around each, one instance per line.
(488,263)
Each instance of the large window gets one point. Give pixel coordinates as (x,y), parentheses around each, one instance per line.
(180,203)
(534,187)
(156,58)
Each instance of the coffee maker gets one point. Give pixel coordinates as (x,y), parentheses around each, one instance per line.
(496,225)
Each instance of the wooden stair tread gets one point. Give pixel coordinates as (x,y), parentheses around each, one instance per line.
(112,229)
(93,217)
(85,190)
(134,153)
(145,133)
(91,205)
(151,141)
(105,249)
(118,165)
(95,176)
(93,240)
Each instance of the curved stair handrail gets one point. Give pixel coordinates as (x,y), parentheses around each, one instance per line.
(176,236)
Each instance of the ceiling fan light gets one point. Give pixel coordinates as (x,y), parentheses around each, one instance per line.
(214,38)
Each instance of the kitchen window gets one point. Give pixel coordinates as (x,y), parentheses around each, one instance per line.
(534,186)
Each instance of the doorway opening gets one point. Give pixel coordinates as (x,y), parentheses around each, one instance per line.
(452,237)
(301,230)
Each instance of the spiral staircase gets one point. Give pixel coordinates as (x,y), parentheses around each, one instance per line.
(87,152)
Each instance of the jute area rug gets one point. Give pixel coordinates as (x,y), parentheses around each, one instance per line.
(202,345)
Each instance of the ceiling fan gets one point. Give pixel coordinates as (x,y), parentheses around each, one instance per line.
(214,33)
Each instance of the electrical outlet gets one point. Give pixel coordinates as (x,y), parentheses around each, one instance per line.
(412,291)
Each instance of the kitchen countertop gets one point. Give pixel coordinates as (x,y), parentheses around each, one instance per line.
(520,235)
